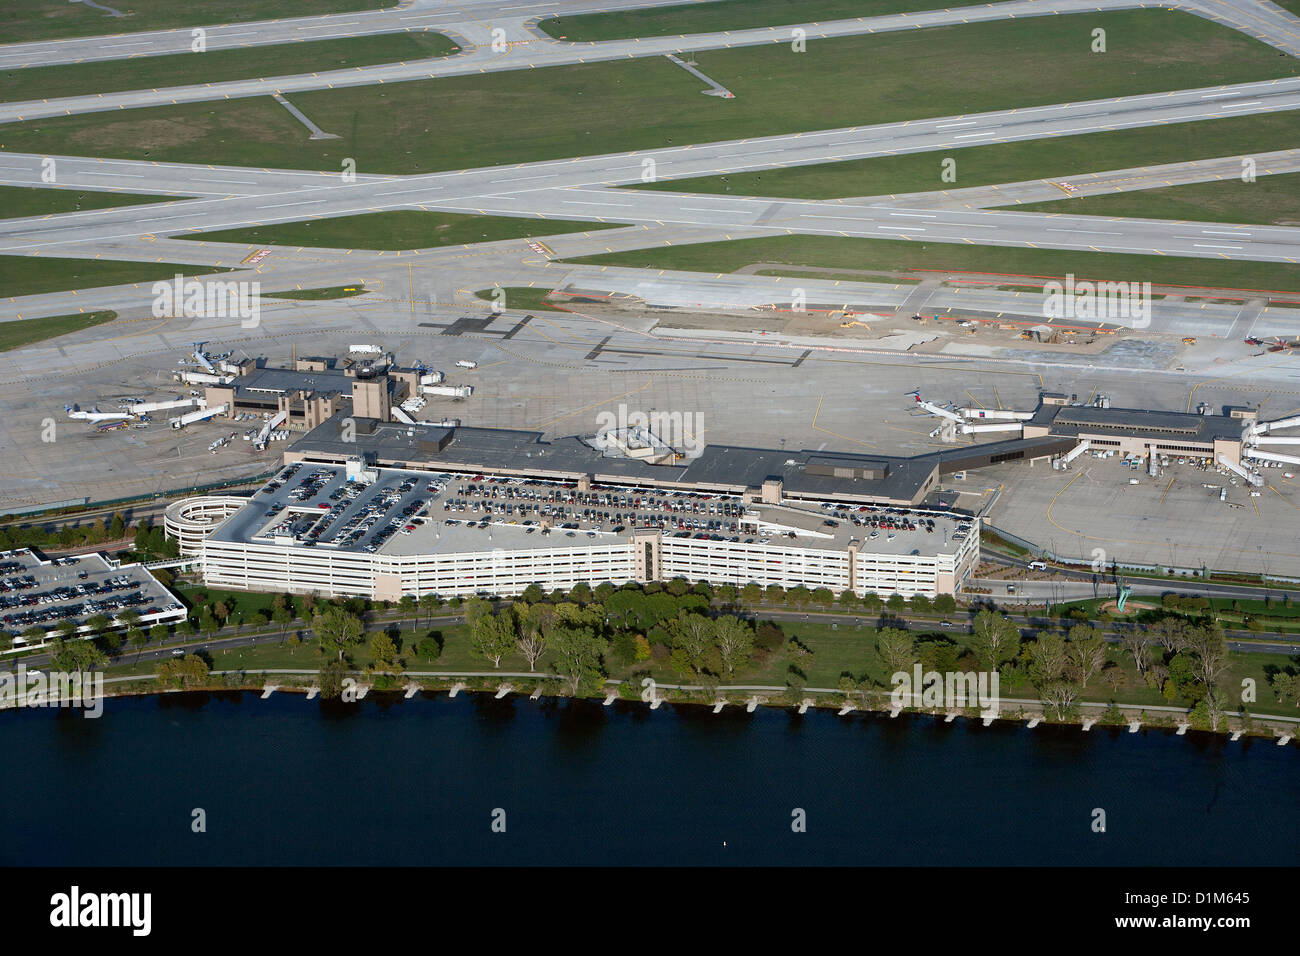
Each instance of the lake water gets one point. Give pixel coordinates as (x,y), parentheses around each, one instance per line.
(386,781)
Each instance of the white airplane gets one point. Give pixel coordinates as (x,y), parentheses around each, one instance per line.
(94,415)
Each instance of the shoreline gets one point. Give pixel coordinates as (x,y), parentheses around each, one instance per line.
(1281,730)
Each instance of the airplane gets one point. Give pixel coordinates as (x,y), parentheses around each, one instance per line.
(94,415)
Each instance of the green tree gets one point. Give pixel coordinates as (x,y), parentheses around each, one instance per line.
(579,656)
(734,640)
(493,636)
(337,630)
(751,593)
(283,617)
(384,651)
(921,603)
(897,649)
(896,603)
(994,639)
(429,602)
(945,604)
(331,679)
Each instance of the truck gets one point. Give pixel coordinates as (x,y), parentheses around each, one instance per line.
(466,363)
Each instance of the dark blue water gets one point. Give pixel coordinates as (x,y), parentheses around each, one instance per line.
(416,782)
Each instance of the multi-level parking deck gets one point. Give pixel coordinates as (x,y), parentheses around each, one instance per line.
(44,593)
(386,533)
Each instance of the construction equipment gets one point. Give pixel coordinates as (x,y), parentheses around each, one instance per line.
(1189,340)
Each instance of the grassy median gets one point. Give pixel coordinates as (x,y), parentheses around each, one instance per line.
(16,335)
(217,66)
(1269,200)
(18,202)
(37,275)
(726,15)
(24,20)
(888,256)
(1049,158)
(402,229)
(648,103)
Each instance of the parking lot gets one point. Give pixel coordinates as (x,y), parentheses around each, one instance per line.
(36,593)
(408,513)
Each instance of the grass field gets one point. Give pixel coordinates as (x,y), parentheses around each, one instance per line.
(520,297)
(886,255)
(15,335)
(1050,158)
(23,20)
(648,103)
(726,15)
(37,275)
(1272,200)
(403,229)
(331,292)
(17,202)
(215,66)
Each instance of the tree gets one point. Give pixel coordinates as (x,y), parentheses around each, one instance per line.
(1046,658)
(137,637)
(994,639)
(578,655)
(896,603)
(408,606)
(871,602)
(921,603)
(798,595)
(208,622)
(331,680)
(1085,653)
(734,640)
(945,604)
(1137,642)
(34,634)
(384,651)
(897,650)
(1059,696)
(185,628)
(1169,632)
(1209,648)
(751,593)
(494,635)
(76,656)
(430,602)
(337,630)
(188,671)
(692,638)
(282,616)
(158,632)
(532,637)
